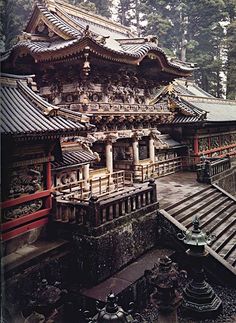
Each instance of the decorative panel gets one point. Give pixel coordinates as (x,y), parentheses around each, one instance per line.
(203,144)
(20,210)
(25,180)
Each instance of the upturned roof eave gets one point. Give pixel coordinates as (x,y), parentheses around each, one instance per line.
(77,46)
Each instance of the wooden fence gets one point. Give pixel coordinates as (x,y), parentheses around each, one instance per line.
(95,211)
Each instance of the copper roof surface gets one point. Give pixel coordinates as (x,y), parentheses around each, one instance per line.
(78,29)
(74,158)
(195,98)
(217,110)
(193,104)
(23,112)
(188,87)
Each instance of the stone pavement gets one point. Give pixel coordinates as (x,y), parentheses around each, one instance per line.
(126,277)
(177,186)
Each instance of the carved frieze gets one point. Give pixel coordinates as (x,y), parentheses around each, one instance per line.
(18,211)
(119,87)
(25,180)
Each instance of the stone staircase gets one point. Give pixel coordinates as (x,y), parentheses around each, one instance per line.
(216,210)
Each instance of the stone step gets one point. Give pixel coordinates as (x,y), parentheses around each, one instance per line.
(213,218)
(232,257)
(207,213)
(216,210)
(223,242)
(192,201)
(228,249)
(202,205)
(187,198)
(223,235)
(217,224)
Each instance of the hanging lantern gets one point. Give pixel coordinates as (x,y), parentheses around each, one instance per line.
(86,66)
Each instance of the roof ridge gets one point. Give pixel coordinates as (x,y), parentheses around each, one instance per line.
(47,109)
(210,98)
(90,15)
(50,16)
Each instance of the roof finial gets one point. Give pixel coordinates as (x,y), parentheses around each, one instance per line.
(51,5)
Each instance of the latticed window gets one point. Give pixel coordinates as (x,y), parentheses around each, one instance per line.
(203,144)
(215,142)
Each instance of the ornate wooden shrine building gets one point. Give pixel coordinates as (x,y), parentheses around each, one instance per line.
(31,130)
(87,63)
(147,123)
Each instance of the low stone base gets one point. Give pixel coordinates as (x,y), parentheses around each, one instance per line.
(129,284)
(103,250)
(24,270)
(200,300)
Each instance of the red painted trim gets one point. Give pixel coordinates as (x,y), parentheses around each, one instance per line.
(49,174)
(217,149)
(23,229)
(195,145)
(209,143)
(23,199)
(24,219)
(48,202)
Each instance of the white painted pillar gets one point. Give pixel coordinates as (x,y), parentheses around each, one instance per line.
(109,156)
(151,150)
(135,152)
(86,177)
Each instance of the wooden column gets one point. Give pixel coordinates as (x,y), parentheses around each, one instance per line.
(48,182)
(151,150)
(109,156)
(195,145)
(86,177)
(135,151)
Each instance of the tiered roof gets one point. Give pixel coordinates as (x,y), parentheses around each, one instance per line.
(74,159)
(196,105)
(59,31)
(24,114)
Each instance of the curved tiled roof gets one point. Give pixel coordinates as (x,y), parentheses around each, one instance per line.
(217,110)
(24,113)
(78,29)
(57,22)
(59,49)
(73,158)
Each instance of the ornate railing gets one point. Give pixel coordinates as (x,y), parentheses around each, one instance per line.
(99,186)
(211,167)
(95,211)
(161,168)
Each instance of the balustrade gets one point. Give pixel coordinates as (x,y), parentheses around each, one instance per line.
(95,211)
(211,167)
(157,169)
(99,185)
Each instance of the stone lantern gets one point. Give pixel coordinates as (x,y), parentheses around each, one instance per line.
(164,279)
(46,301)
(199,298)
(112,313)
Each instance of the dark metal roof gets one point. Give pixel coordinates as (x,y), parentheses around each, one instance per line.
(76,28)
(185,119)
(168,142)
(184,87)
(217,110)
(74,158)
(23,112)
(56,21)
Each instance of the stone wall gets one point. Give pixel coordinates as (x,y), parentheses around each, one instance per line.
(20,282)
(102,251)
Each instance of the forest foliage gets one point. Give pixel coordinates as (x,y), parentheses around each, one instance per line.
(203,31)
